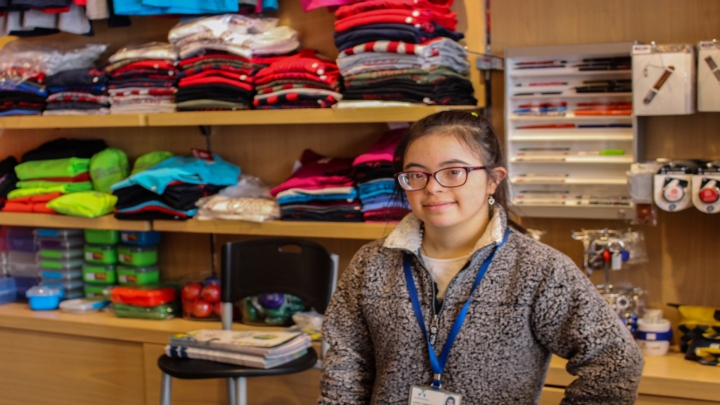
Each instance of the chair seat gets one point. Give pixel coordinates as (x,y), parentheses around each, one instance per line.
(191,369)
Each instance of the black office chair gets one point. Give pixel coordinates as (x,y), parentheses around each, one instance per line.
(284,265)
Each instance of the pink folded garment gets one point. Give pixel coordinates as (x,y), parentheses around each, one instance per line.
(383,149)
(318,171)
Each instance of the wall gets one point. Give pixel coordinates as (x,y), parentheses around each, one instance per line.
(682,267)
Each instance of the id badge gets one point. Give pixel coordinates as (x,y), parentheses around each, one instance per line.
(431,396)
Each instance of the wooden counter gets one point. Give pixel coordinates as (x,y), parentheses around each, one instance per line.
(97,349)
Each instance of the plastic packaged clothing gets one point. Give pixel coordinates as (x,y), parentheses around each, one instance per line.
(37,169)
(107,168)
(149,160)
(88,204)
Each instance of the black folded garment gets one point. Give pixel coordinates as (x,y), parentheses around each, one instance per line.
(221,92)
(150,215)
(178,196)
(8,178)
(325,217)
(63,148)
(77,77)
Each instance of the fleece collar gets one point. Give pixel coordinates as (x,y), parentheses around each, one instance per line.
(406,235)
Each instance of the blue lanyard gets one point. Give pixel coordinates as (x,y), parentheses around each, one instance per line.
(438,365)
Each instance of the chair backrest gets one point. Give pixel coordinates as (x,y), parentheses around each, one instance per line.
(294,266)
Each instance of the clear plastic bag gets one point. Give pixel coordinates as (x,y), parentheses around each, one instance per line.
(52,58)
(151,50)
(217,27)
(247,187)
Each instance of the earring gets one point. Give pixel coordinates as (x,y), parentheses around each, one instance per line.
(491,200)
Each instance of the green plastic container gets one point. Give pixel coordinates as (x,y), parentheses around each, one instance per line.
(101,254)
(61,254)
(128,275)
(99,274)
(95,292)
(61,264)
(158,312)
(102,237)
(138,256)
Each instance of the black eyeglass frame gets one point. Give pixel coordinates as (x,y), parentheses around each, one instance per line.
(467,169)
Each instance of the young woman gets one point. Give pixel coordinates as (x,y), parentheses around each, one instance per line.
(457,278)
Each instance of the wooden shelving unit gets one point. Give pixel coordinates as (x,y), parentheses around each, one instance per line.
(246,117)
(65,221)
(335,230)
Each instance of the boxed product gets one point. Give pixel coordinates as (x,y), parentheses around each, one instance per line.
(663,79)
(138,256)
(101,254)
(708,78)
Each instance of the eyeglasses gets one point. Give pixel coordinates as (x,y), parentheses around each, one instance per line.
(449,177)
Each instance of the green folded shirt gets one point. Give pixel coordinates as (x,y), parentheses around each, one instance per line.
(30,188)
(39,169)
(89,204)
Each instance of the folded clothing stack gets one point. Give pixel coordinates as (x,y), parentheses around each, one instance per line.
(22,91)
(303,80)
(8,178)
(143,79)
(322,189)
(50,171)
(170,189)
(402,50)
(375,179)
(220,59)
(77,92)
(173,7)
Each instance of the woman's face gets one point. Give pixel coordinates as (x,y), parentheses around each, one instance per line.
(446,208)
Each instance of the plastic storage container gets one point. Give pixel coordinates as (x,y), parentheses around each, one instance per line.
(21,239)
(23,284)
(60,254)
(103,254)
(61,264)
(54,243)
(99,274)
(44,297)
(129,275)
(143,297)
(82,306)
(156,312)
(58,233)
(95,292)
(138,256)
(148,238)
(102,237)
(68,285)
(24,269)
(8,290)
(61,275)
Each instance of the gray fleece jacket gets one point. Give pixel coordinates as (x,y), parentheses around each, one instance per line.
(533,302)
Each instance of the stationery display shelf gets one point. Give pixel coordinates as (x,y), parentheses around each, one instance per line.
(572,211)
(605,160)
(65,221)
(73,121)
(572,95)
(569,72)
(618,181)
(572,117)
(335,230)
(299,116)
(568,152)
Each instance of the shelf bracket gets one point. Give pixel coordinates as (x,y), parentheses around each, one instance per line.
(206,131)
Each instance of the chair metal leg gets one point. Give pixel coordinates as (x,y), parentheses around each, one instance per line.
(166,392)
(241,390)
(232,393)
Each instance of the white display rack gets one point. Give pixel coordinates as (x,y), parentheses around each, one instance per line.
(568,164)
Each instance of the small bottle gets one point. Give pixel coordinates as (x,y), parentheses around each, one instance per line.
(654,333)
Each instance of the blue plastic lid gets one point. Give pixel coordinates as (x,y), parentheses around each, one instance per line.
(44,291)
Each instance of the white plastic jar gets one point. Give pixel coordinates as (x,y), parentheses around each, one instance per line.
(654,334)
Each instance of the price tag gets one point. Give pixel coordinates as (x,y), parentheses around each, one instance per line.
(641,49)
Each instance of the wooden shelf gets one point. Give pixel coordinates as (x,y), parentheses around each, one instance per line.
(66,221)
(73,121)
(572,95)
(245,117)
(336,230)
(298,116)
(572,117)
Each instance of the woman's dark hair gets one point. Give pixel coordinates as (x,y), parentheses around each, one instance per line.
(474,131)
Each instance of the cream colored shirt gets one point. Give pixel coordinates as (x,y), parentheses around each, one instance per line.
(442,271)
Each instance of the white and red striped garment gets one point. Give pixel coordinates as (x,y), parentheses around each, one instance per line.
(433,47)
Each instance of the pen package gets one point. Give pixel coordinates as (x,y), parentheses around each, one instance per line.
(663,79)
(708,94)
